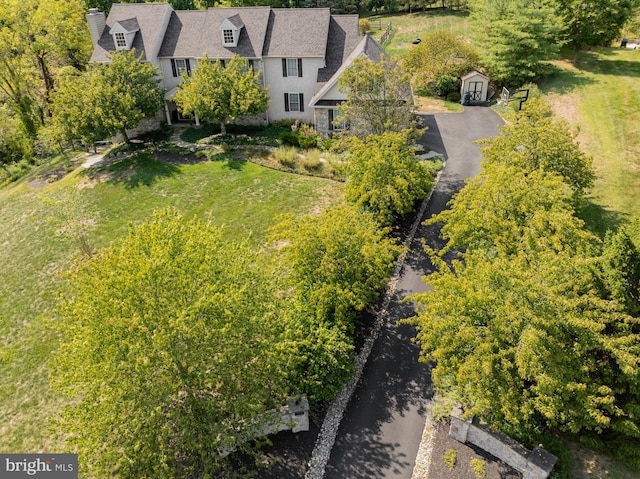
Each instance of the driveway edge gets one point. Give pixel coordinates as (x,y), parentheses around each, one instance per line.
(329,430)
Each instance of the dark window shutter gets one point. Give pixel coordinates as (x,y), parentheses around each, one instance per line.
(331,119)
(284,67)
(173,68)
(301,100)
(188,63)
(286,102)
(251,65)
(299,67)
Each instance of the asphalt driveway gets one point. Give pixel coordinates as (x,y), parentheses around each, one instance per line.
(382,426)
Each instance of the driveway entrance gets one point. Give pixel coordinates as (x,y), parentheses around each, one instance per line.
(382,426)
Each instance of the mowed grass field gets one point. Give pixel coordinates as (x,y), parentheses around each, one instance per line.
(240,195)
(599,95)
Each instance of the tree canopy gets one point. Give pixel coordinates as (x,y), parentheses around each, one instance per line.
(439,61)
(592,22)
(515,38)
(169,350)
(379,97)
(218,93)
(532,139)
(107,99)
(384,176)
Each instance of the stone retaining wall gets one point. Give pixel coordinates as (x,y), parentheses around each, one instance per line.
(536,464)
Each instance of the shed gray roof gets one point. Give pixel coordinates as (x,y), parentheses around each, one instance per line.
(149,19)
(297,32)
(236,21)
(192,33)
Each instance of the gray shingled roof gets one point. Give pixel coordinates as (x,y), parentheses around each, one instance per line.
(343,39)
(236,21)
(130,24)
(149,18)
(192,33)
(367,46)
(297,32)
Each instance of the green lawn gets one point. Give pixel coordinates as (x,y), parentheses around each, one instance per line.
(599,94)
(242,196)
(407,27)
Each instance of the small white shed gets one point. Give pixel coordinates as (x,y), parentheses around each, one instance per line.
(477,84)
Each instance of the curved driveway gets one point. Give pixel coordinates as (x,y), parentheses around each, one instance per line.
(382,426)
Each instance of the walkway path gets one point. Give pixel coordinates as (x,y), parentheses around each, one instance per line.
(382,426)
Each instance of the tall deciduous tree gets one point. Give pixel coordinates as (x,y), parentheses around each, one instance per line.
(522,341)
(36,38)
(515,38)
(384,177)
(107,99)
(379,97)
(170,350)
(221,94)
(533,139)
(592,22)
(439,61)
(338,262)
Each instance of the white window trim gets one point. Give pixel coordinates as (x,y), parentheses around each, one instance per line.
(292,67)
(295,95)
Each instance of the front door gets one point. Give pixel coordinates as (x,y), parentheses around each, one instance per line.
(475,91)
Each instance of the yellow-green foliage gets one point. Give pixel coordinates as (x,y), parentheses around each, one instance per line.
(450,457)
(478,467)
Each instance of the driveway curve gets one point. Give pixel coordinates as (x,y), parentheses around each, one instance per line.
(381,429)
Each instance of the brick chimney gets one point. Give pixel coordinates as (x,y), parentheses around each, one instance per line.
(96,21)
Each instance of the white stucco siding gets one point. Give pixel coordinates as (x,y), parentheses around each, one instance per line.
(279,85)
(334,94)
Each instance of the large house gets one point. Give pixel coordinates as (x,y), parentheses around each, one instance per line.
(300,53)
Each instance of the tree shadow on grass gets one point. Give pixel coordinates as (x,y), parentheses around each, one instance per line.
(138,170)
(598,220)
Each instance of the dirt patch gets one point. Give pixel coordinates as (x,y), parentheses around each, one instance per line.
(50,176)
(175,158)
(589,464)
(464,454)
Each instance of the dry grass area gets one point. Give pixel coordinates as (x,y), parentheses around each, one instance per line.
(588,464)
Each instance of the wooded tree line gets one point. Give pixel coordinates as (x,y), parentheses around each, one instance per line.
(535,325)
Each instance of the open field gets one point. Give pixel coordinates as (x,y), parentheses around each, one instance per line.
(240,195)
(599,95)
(408,27)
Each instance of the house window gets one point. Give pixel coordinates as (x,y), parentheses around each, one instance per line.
(121,40)
(179,65)
(339,125)
(292,67)
(227,36)
(293,102)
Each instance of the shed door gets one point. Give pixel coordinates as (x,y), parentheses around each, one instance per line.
(475,90)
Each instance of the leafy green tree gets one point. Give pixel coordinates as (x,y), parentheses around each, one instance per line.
(534,140)
(439,61)
(594,23)
(620,270)
(506,209)
(384,177)
(522,341)
(107,99)
(221,94)
(169,350)
(338,262)
(515,38)
(379,97)
(36,38)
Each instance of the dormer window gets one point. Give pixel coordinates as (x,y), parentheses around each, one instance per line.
(227,37)
(230,29)
(123,33)
(121,40)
